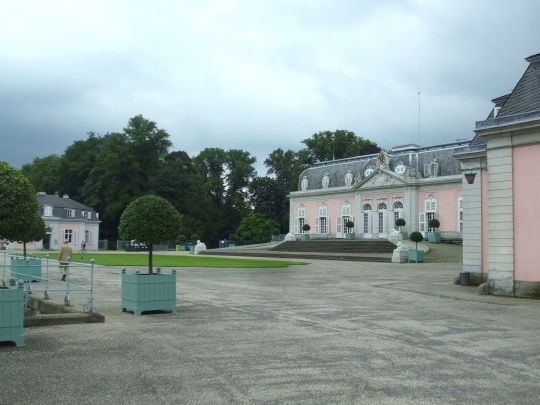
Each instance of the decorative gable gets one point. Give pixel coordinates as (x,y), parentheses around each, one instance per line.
(382,178)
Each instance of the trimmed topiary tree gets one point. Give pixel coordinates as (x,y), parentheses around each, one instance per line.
(434,223)
(416,237)
(401,223)
(150,219)
(34,232)
(195,237)
(306,227)
(182,239)
(18,203)
(349,224)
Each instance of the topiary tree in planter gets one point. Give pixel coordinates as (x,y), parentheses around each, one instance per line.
(434,237)
(306,228)
(150,219)
(275,233)
(349,225)
(401,223)
(416,255)
(195,237)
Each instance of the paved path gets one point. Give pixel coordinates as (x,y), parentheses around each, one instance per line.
(328,332)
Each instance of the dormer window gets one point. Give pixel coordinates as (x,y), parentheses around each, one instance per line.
(400,168)
(47,211)
(87,215)
(70,213)
(432,169)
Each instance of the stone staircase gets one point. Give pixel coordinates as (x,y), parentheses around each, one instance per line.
(365,250)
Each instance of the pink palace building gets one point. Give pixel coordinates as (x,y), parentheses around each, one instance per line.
(502,164)
(483,190)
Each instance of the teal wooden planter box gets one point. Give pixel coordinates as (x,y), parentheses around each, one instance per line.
(148,292)
(232,244)
(404,235)
(416,256)
(304,237)
(434,237)
(182,248)
(12,313)
(19,268)
(350,236)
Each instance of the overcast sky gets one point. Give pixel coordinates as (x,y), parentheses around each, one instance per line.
(256,75)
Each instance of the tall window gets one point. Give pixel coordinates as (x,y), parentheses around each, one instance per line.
(346,217)
(430,212)
(365,208)
(47,211)
(382,210)
(322,224)
(301,218)
(70,213)
(398,213)
(88,237)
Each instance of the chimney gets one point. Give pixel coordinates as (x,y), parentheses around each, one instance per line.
(56,194)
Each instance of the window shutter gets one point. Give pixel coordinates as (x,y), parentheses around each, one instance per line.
(339,225)
(296,226)
(351,218)
(317,225)
(63,236)
(327,225)
(74,240)
(422,221)
(375,222)
(90,237)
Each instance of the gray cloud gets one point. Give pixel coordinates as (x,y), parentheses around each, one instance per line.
(255,75)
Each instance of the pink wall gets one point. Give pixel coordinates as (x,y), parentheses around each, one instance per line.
(447,210)
(526,198)
(334,210)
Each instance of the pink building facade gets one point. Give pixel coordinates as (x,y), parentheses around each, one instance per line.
(65,219)
(500,228)
(410,182)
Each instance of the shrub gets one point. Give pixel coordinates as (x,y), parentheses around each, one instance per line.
(182,239)
(349,224)
(275,231)
(306,227)
(194,237)
(400,222)
(416,237)
(232,236)
(434,223)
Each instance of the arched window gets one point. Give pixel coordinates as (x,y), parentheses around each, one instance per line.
(366,209)
(430,212)
(398,213)
(48,211)
(382,210)
(345,217)
(322,222)
(300,220)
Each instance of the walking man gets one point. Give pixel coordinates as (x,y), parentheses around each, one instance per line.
(65,253)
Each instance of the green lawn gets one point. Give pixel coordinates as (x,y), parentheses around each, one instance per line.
(126,259)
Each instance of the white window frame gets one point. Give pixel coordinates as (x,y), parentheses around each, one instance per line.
(300,220)
(398,212)
(88,236)
(323,223)
(47,211)
(430,211)
(70,235)
(70,213)
(382,208)
(87,215)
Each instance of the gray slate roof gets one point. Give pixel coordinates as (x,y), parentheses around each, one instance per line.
(412,156)
(60,204)
(526,95)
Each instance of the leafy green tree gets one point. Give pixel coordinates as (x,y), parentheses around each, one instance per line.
(268,196)
(256,227)
(210,164)
(76,164)
(123,166)
(18,203)
(150,219)
(34,231)
(179,183)
(340,144)
(44,173)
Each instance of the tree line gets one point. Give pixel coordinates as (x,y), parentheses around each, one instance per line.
(213,190)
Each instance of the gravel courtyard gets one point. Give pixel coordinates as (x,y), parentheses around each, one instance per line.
(329,332)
